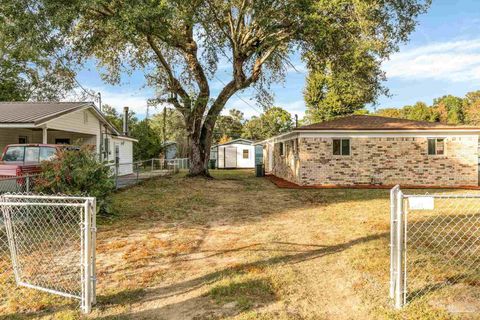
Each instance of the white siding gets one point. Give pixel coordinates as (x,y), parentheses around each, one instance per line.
(241,162)
(221,158)
(126,155)
(250,161)
(75,122)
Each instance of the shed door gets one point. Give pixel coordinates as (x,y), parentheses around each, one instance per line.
(230,157)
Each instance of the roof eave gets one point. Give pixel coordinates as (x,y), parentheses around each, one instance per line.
(14,125)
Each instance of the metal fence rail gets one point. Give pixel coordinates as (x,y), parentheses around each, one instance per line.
(47,243)
(17,184)
(127,174)
(435,243)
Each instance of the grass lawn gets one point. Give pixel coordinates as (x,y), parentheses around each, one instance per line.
(238,247)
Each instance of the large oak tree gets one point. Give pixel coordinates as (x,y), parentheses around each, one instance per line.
(179,43)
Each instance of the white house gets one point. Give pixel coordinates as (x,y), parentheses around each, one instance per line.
(239,153)
(65,123)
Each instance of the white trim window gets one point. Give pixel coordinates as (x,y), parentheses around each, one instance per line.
(436,146)
(341,147)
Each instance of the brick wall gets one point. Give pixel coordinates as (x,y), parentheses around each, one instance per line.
(389,161)
(287,166)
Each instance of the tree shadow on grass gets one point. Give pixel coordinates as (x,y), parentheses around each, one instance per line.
(181,288)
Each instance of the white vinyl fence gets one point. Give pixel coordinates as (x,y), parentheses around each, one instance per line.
(47,243)
(435,244)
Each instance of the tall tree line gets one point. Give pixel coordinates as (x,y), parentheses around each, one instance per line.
(447,109)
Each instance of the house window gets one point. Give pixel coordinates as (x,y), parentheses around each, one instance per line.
(341,147)
(62,141)
(282,149)
(436,146)
(22,139)
(245,154)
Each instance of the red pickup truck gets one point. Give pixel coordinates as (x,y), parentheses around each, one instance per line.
(25,159)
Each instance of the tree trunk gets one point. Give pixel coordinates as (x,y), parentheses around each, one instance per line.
(199,153)
(198,160)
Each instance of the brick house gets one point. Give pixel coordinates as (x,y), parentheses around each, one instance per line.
(371,150)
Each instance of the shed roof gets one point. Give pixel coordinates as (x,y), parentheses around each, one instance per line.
(236,141)
(366,122)
(33,112)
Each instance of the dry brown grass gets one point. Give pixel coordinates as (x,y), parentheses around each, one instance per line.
(237,247)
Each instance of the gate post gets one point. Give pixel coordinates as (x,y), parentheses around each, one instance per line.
(93,235)
(393,212)
(87,257)
(399,251)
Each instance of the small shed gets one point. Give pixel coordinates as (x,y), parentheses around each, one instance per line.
(238,153)
(169,150)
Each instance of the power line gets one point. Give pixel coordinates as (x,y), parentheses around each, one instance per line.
(239,97)
(229,59)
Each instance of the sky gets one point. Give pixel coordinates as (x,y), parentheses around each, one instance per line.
(442,57)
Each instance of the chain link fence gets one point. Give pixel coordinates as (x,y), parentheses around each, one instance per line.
(127,174)
(17,184)
(435,244)
(47,243)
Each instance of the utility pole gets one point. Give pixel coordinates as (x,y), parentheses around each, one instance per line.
(164,125)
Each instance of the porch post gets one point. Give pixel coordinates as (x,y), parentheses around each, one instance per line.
(44,135)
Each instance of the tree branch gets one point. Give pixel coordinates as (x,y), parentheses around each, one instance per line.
(174,84)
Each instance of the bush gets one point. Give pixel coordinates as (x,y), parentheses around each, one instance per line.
(79,173)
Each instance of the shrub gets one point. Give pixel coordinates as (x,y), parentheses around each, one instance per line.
(77,172)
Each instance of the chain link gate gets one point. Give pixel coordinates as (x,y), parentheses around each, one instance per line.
(435,243)
(47,243)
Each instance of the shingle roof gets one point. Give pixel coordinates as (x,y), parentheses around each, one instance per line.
(366,122)
(32,112)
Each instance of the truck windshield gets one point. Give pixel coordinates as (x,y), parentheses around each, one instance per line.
(29,154)
(14,154)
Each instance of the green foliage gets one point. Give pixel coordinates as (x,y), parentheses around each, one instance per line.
(113,116)
(471,107)
(74,172)
(171,127)
(149,142)
(29,69)
(339,89)
(229,126)
(272,122)
(449,109)
(420,111)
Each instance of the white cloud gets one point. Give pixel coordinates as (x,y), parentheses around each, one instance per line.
(455,61)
